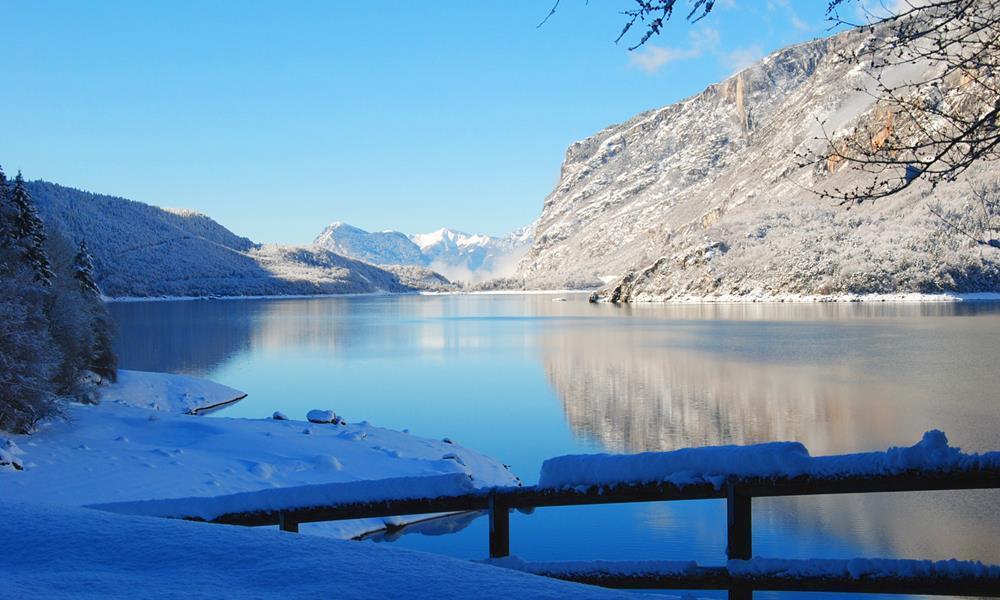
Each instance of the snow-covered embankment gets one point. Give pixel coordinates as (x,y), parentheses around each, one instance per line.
(139,445)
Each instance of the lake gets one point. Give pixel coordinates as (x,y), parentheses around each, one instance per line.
(527,377)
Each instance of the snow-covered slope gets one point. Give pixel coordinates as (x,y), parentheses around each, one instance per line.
(376,247)
(177,394)
(707,197)
(457,255)
(137,445)
(64,552)
(473,257)
(142,250)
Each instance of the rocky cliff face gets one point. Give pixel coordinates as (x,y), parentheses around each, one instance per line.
(708,197)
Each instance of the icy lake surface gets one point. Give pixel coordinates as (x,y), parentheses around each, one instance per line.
(524,378)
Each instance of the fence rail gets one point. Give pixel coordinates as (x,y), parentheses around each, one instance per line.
(736,491)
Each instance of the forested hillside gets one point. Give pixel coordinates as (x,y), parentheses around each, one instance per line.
(56,337)
(143,250)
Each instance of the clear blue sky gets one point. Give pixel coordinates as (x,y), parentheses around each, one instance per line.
(277,118)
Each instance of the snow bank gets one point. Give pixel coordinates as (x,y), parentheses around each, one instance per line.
(777,459)
(61,551)
(114,452)
(861,568)
(169,393)
(291,498)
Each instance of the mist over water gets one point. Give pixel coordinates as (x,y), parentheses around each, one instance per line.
(524,378)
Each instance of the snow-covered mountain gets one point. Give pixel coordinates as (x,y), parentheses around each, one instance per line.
(143,250)
(455,254)
(377,247)
(707,197)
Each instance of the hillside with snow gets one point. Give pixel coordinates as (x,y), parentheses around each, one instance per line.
(145,251)
(709,198)
(454,254)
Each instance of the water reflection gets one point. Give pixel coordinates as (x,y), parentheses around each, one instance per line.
(524,378)
(857,386)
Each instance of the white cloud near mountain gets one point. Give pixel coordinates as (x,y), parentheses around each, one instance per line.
(651,58)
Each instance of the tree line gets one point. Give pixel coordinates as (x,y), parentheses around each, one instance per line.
(56,334)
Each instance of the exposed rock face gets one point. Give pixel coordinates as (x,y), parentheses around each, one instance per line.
(709,197)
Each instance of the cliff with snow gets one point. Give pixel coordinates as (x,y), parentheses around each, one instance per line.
(709,197)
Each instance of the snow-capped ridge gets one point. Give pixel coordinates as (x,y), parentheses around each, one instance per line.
(455,254)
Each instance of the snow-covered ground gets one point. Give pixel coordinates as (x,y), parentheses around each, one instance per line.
(138,445)
(69,552)
(176,394)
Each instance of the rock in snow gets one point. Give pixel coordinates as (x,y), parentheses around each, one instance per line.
(324,416)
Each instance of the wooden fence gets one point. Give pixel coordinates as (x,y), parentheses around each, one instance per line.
(738,494)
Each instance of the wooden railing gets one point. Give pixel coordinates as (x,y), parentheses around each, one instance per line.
(737,492)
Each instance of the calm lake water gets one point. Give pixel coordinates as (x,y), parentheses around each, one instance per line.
(524,378)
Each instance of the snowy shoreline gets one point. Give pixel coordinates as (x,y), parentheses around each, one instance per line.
(124,299)
(900,298)
(897,298)
(146,441)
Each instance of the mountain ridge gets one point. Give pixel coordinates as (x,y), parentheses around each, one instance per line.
(455,254)
(140,250)
(706,197)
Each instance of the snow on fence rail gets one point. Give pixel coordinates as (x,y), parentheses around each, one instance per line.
(304,497)
(742,577)
(777,459)
(736,474)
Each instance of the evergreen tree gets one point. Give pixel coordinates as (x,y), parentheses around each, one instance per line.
(102,359)
(8,213)
(83,270)
(55,330)
(29,232)
(29,358)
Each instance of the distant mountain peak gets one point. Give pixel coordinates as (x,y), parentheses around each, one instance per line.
(456,254)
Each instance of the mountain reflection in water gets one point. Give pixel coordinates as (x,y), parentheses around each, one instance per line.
(523,378)
(863,386)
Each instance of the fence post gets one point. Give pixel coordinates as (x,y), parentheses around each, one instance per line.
(739,524)
(499,529)
(739,530)
(287,524)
